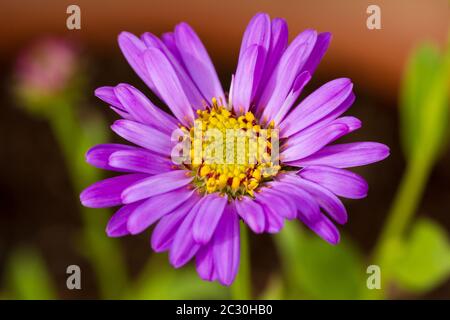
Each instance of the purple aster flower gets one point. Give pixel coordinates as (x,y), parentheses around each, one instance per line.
(197,205)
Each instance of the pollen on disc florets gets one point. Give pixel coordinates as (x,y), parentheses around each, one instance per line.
(230,154)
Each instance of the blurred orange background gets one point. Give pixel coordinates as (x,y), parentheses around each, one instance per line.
(221,23)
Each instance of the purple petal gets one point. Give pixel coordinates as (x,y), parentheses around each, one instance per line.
(316,106)
(308,208)
(165,230)
(204,262)
(304,202)
(142,110)
(278,201)
(324,228)
(166,80)
(343,107)
(252,213)
(278,44)
(305,145)
(247,77)
(98,156)
(329,202)
(289,67)
(278,115)
(258,33)
(117,225)
(157,184)
(184,246)
(122,114)
(325,198)
(192,93)
(208,217)
(309,213)
(156,207)
(198,62)
(341,182)
(321,46)
(108,95)
(169,40)
(227,246)
(274,222)
(144,136)
(139,161)
(352,124)
(346,155)
(132,48)
(106,193)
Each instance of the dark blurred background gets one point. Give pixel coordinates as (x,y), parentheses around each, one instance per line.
(38,205)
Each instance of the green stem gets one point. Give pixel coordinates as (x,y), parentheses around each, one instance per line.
(241,288)
(103,253)
(400,215)
(427,146)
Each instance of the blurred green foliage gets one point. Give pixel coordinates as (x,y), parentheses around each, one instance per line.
(27,276)
(424,259)
(424,111)
(315,269)
(424,101)
(159,280)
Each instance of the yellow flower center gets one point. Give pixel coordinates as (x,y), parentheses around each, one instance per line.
(230,154)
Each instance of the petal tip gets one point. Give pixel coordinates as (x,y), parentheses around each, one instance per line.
(123,35)
(103,92)
(86,198)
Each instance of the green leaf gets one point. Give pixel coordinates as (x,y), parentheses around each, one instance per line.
(27,276)
(424,102)
(422,67)
(316,269)
(424,261)
(159,280)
